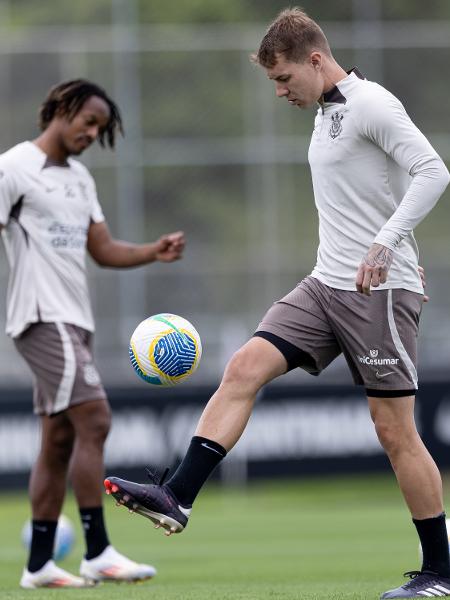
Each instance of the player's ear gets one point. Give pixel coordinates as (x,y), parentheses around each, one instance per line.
(316,60)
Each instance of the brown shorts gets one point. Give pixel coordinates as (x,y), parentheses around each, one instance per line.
(60,358)
(377,334)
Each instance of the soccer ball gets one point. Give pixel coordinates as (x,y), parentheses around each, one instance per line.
(447,523)
(64,538)
(165,349)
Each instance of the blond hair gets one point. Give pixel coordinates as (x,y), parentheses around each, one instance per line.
(293,34)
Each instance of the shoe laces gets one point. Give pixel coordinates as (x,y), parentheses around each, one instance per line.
(154,478)
(414,575)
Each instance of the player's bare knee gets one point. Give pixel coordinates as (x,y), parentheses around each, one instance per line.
(99,427)
(391,436)
(92,422)
(57,446)
(242,371)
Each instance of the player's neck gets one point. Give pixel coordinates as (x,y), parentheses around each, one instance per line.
(50,145)
(333,74)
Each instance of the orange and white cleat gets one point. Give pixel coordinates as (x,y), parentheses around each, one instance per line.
(110,565)
(51,576)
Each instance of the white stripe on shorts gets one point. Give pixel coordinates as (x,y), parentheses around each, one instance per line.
(65,388)
(398,342)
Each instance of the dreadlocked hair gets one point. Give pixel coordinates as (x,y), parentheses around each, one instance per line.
(67,98)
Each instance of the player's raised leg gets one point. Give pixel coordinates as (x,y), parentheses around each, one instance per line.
(220,427)
(421,486)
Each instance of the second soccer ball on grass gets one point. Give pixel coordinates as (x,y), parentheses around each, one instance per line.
(64,538)
(165,349)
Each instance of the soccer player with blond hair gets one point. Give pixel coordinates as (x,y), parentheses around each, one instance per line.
(375,177)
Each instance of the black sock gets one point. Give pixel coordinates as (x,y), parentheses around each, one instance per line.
(201,459)
(434,540)
(42,541)
(94,531)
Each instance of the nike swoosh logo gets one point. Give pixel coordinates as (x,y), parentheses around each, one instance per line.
(212,449)
(381,375)
(186,511)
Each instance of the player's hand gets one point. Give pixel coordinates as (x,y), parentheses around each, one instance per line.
(424,283)
(374,268)
(170,247)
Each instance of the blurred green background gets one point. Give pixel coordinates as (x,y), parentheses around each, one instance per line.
(210,150)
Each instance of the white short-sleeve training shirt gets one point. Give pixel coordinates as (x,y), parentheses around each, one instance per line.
(46,211)
(375,176)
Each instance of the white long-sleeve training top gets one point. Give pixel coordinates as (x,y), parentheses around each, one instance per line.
(375,177)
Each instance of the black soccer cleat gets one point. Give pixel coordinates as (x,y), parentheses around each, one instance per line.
(154,501)
(423,584)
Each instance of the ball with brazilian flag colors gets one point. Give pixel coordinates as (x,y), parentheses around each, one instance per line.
(165,349)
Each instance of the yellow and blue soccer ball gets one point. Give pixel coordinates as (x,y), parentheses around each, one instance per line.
(64,538)
(165,349)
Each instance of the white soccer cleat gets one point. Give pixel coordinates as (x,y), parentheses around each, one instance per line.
(110,565)
(51,576)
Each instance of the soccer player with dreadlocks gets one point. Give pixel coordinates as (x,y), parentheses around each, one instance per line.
(49,216)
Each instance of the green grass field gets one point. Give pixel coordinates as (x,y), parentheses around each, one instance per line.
(311,539)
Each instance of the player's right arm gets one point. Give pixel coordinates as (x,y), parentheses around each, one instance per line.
(421,270)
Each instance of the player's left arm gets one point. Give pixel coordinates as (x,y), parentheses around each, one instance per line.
(374,268)
(110,252)
(387,124)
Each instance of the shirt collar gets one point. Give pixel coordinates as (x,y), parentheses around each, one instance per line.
(335,96)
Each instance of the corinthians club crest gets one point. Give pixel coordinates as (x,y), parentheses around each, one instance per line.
(336,125)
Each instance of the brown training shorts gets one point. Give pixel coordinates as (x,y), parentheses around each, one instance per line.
(59,355)
(314,323)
